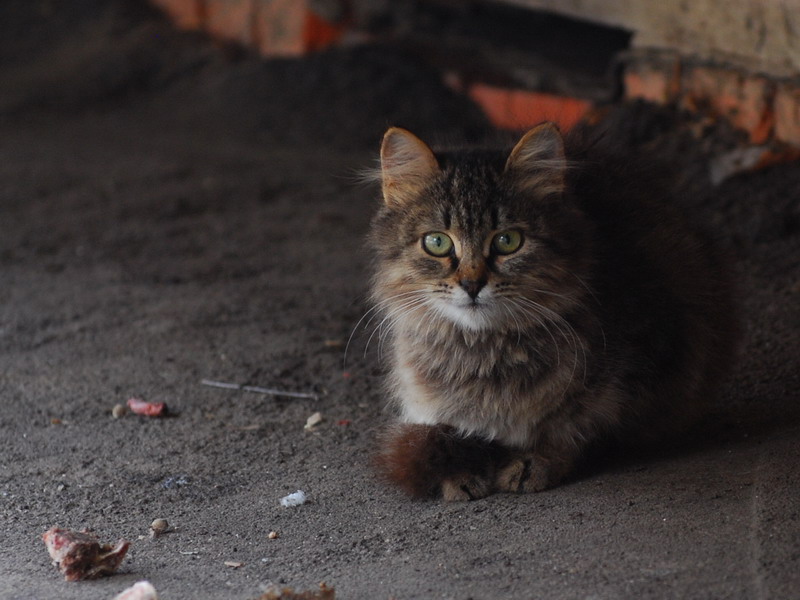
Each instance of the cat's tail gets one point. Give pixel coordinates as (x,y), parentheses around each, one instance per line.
(420,458)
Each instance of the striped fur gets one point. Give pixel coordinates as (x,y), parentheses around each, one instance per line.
(613,319)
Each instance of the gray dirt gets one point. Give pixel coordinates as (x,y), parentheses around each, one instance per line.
(172,210)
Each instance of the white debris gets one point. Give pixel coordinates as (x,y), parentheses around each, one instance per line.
(296,499)
(313,421)
(736,161)
(142,590)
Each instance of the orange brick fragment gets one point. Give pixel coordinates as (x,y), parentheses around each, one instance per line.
(230,20)
(186,14)
(509,108)
(279,27)
(746,100)
(652,76)
(319,33)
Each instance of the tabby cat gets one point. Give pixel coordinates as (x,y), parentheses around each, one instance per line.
(536,303)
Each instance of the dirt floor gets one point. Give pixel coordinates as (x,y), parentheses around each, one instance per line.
(173,211)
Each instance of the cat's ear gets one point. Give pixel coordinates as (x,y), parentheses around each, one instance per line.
(537,163)
(407,166)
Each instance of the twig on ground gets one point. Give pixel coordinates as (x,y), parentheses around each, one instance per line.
(258,390)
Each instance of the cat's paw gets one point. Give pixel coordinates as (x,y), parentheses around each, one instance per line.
(512,477)
(461,488)
(527,475)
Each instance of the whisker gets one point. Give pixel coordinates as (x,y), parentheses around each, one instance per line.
(392,314)
(558,321)
(392,317)
(580,280)
(537,315)
(374,310)
(516,322)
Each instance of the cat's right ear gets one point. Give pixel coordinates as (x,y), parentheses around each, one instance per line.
(407,166)
(537,162)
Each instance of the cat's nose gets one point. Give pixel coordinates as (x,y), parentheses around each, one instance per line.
(473,287)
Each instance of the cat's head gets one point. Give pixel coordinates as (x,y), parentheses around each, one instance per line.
(482,241)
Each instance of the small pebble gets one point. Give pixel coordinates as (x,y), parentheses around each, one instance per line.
(296,499)
(143,590)
(313,421)
(233,564)
(159,526)
(273,535)
(119,411)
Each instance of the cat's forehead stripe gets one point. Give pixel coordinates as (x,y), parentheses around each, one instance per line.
(470,198)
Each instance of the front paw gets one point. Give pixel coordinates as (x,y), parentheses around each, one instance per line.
(462,488)
(531,474)
(512,477)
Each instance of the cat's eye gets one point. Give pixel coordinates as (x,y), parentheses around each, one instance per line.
(507,242)
(437,244)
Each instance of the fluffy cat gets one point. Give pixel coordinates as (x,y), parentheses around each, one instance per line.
(536,303)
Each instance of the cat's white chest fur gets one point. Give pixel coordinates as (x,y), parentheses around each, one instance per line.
(433,386)
(417,403)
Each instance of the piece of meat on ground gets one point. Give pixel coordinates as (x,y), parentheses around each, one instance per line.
(80,555)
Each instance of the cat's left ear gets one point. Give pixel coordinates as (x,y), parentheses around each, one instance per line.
(407,166)
(537,163)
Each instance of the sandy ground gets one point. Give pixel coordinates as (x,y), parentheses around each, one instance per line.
(172,211)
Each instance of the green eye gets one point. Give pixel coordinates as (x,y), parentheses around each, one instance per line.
(437,243)
(507,242)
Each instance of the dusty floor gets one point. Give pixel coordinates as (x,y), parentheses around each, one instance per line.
(171,213)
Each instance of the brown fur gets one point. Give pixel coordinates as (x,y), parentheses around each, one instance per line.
(419,458)
(612,320)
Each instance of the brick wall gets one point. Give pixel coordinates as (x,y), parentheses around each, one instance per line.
(272,27)
(767,107)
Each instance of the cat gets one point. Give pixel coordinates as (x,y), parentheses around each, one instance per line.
(536,303)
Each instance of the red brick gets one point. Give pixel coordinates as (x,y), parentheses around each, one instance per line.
(654,85)
(273,27)
(652,76)
(746,100)
(186,14)
(279,27)
(787,114)
(494,101)
(230,20)
(520,109)
(320,33)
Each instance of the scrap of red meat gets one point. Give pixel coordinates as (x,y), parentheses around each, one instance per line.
(149,409)
(80,555)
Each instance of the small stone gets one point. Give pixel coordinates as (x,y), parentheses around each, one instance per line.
(142,590)
(313,421)
(119,411)
(159,526)
(298,498)
(233,564)
(273,535)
